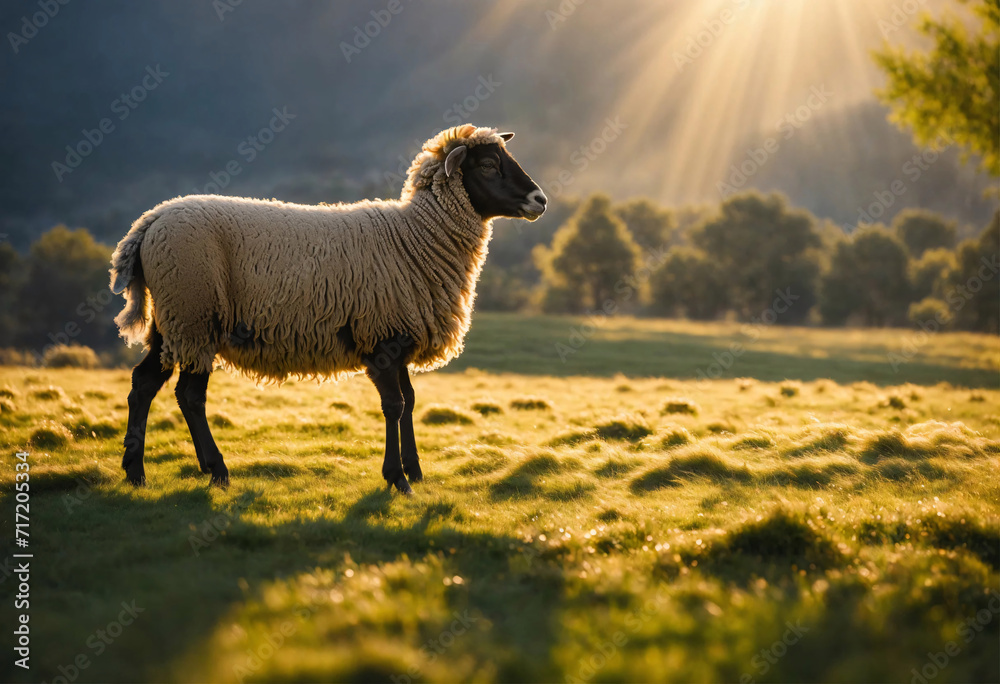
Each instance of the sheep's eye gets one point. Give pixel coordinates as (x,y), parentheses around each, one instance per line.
(489,164)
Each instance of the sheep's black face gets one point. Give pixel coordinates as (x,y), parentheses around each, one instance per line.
(497,185)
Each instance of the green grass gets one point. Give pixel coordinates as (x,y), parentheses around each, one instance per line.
(593,537)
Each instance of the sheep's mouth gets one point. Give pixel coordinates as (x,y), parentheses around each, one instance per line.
(531,215)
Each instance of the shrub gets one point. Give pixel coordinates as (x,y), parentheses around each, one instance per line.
(681,406)
(929,310)
(16,357)
(51,436)
(70,356)
(530,404)
(445,415)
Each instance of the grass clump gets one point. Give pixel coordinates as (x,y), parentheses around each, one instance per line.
(625,428)
(833,439)
(6,406)
(8,393)
(572,438)
(788,389)
(101,429)
(680,406)
(706,466)
(342,406)
(220,420)
(616,467)
(530,404)
(677,437)
(50,393)
(51,436)
(753,442)
(780,544)
(487,408)
(890,444)
(445,415)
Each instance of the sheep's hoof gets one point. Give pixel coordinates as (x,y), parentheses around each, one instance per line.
(402,485)
(220,477)
(414,474)
(136,479)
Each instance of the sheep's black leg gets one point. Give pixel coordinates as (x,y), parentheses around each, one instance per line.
(408,443)
(386,381)
(191,390)
(147,379)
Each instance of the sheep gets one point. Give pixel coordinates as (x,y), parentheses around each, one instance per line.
(271,289)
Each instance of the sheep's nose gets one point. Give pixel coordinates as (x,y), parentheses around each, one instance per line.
(536,200)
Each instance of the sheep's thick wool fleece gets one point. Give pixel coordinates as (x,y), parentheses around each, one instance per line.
(276,289)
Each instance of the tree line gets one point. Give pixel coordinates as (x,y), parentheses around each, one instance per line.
(734,262)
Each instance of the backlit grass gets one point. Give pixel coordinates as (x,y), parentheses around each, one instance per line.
(591,537)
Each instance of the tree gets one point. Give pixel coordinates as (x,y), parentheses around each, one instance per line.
(591,256)
(763,248)
(689,284)
(929,273)
(11,271)
(951,92)
(921,230)
(65,296)
(972,289)
(651,225)
(867,280)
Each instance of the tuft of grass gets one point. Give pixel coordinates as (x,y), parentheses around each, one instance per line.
(677,437)
(745,384)
(778,545)
(530,404)
(789,389)
(445,415)
(758,441)
(617,467)
(572,438)
(102,429)
(51,436)
(487,408)
(689,467)
(7,406)
(682,406)
(977,397)
(624,428)
(342,406)
(8,393)
(833,439)
(50,393)
(890,444)
(220,420)
(720,429)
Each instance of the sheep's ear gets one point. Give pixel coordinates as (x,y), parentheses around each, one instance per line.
(454,159)
(506,136)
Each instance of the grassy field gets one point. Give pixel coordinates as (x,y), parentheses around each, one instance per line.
(812,515)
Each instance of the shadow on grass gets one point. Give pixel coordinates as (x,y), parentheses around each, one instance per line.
(183,557)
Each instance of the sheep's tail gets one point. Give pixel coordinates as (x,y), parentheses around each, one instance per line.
(135,320)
